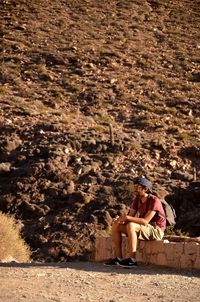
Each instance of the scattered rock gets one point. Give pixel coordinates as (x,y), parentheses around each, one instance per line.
(84,113)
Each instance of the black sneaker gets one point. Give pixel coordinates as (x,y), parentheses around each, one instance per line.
(127,263)
(112,262)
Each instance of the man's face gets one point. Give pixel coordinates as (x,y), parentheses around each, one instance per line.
(139,190)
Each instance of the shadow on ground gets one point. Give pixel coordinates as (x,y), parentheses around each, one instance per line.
(141,269)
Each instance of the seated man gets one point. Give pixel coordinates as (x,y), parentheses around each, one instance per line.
(146,221)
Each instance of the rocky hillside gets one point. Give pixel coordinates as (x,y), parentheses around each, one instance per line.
(94,93)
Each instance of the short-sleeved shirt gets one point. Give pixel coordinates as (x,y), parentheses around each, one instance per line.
(153,203)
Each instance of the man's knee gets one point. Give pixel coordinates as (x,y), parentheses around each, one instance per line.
(133,227)
(118,228)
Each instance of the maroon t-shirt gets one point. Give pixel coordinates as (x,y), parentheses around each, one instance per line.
(153,203)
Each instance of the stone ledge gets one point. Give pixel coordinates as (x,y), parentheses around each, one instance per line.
(177,254)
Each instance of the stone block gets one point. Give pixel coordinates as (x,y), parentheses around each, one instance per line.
(148,249)
(140,257)
(173,263)
(191,255)
(173,250)
(125,247)
(103,248)
(161,259)
(141,244)
(191,249)
(197,263)
(156,247)
(153,259)
(141,252)
(186,262)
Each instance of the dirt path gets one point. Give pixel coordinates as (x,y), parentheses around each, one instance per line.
(84,281)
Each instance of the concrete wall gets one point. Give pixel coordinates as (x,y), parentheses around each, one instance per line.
(183,254)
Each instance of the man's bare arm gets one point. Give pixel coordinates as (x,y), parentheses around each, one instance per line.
(144,221)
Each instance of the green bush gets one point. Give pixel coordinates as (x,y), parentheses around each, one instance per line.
(12,245)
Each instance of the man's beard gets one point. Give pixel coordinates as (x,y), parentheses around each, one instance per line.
(136,194)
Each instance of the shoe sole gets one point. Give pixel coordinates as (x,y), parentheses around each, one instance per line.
(111,265)
(124,266)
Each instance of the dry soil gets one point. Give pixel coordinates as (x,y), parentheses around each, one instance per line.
(89,281)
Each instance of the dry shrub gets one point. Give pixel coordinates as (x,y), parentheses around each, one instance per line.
(12,246)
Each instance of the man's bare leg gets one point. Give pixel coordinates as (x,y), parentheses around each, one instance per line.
(132,230)
(117,230)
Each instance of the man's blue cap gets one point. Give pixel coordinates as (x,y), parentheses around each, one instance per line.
(145,183)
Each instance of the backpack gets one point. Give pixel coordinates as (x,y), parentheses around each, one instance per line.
(169,213)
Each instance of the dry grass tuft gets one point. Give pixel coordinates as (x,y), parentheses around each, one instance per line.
(13,247)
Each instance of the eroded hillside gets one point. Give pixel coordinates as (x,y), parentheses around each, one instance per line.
(92,95)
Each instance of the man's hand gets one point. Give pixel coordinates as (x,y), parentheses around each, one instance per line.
(121,219)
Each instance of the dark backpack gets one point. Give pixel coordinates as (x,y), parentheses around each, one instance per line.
(169,213)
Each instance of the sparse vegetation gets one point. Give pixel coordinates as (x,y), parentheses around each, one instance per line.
(13,247)
(2,90)
(171,230)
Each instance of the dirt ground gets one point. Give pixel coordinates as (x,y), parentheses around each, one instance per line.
(89,281)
